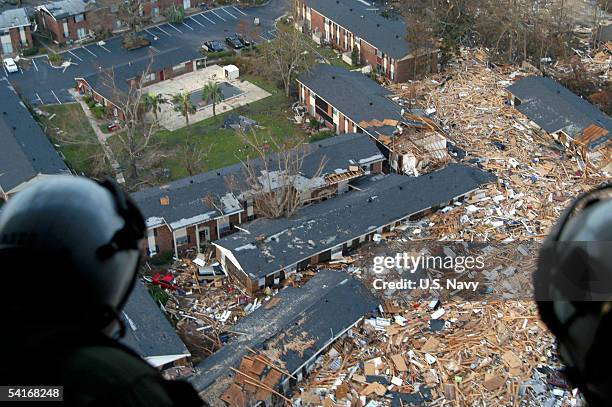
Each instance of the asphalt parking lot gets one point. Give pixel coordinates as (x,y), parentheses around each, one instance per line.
(42,84)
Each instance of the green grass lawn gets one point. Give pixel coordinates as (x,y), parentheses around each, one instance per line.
(70,130)
(272,113)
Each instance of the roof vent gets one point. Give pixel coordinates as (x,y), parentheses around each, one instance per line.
(350,9)
(191,181)
(333,77)
(371,104)
(397,36)
(377,24)
(361,16)
(218,174)
(3,112)
(164,200)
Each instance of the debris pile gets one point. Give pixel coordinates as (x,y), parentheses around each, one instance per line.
(537,177)
(419,353)
(255,380)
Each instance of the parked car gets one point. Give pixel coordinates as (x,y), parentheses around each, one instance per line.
(244,40)
(213,46)
(234,42)
(113,127)
(10,65)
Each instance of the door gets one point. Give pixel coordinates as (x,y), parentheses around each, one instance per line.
(7,45)
(81,33)
(205,234)
(186,4)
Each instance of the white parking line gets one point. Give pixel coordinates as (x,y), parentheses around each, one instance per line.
(75,55)
(164,31)
(5,71)
(34,63)
(20,70)
(85,48)
(213,11)
(208,19)
(188,26)
(39,99)
(197,22)
(175,28)
(224,9)
(238,10)
(264,38)
(56,98)
(105,49)
(154,49)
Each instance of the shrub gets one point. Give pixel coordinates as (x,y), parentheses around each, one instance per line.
(98,112)
(158,294)
(355,57)
(55,59)
(28,52)
(220,54)
(175,15)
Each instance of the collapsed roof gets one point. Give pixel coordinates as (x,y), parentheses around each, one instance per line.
(554,108)
(328,304)
(271,245)
(183,202)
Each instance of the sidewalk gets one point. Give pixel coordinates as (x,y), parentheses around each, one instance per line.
(102,137)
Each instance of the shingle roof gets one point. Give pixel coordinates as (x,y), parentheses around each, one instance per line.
(553,107)
(65,8)
(320,227)
(354,94)
(25,150)
(388,35)
(14,18)
(186,195)
(329,301)
(102,81)
(148,332)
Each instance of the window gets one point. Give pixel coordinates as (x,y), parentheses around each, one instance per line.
(155,11)
(66,32)
(151,77)
(178,67)
(181,237)
(78,18)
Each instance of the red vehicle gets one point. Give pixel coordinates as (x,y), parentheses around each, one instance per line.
(164,281)
(113,127)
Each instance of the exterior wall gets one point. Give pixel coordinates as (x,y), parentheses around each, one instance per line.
(377,167)
(55,28)
(405,68)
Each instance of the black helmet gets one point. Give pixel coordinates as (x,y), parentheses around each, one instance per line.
(69,249)
(573,289)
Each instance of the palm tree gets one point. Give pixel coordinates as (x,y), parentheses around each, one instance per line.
(182,104)
(212,93)
(152,103)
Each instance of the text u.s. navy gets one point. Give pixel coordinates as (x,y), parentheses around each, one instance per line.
(425,284)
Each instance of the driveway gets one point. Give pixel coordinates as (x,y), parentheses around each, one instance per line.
(42,84)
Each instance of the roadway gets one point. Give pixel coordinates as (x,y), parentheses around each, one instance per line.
(43,84)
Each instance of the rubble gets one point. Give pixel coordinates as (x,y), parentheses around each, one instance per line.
(496,354)
(537,177)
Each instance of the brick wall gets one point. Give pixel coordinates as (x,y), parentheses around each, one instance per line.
(377,167)
(317,22)
(368,54)
(405,68)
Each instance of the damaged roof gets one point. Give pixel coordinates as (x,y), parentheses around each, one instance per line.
(355,95)
(185,197)
(274,244)
(25,150)
(331,301)
(366,22)
(553,107)
(148,332)
(14,18)
(65,8)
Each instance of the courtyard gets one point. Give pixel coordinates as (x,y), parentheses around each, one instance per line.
(236,92)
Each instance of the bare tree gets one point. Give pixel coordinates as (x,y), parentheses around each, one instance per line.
(136,140)
(270,179)
(287,56)
(193,156)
